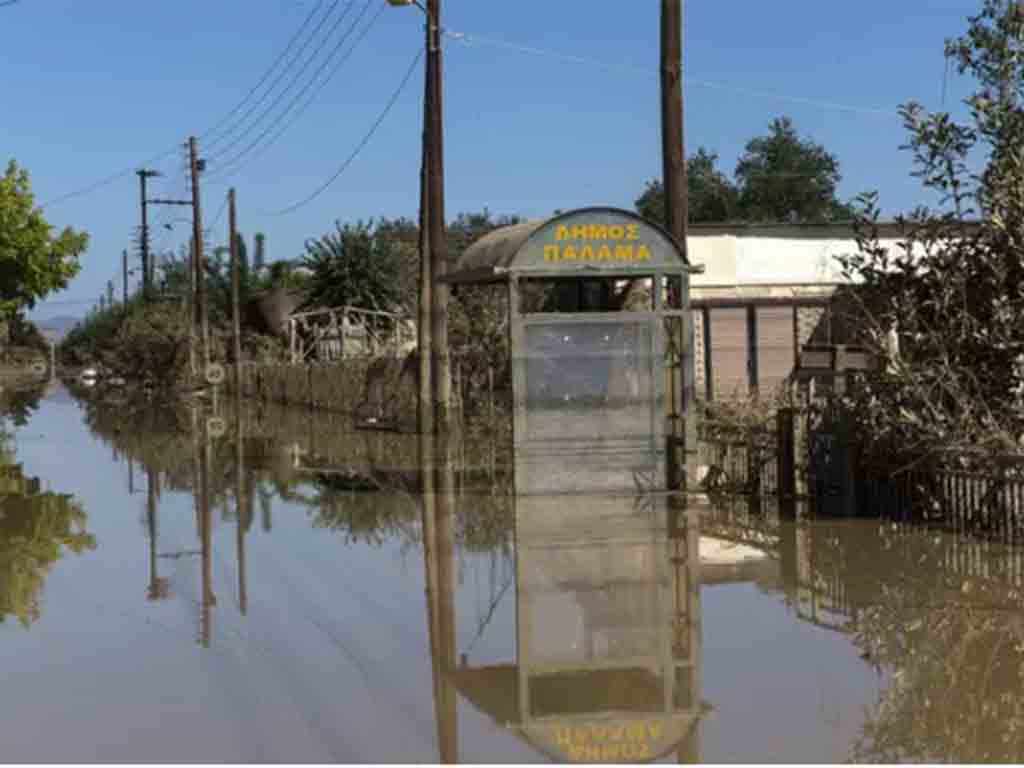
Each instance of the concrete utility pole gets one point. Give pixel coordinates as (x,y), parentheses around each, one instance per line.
(124,278)
(236,314)
(440,368)
(199,263)
(145,174)
(672,138)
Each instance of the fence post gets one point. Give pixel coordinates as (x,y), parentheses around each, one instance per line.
(786,457)
(848,467)
(839,366)
(753,465)
(490,392)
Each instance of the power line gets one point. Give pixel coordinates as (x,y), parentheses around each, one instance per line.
(220,212)
(471,39)
(213,149)
(232,168)
(362,144)
(106,181)
(88,189)
(291,43)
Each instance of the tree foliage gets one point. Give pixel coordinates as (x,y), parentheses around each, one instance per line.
(952,294)
(783,177)
(712,196)
(357,265)
(34,261)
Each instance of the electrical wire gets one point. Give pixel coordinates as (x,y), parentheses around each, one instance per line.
(89,188)
(470,39)
(216,129)
(359,147)
(108,180)
(215,148)
(231,169)
(220,212)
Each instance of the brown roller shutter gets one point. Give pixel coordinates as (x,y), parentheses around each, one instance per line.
(729,352)
(775,358)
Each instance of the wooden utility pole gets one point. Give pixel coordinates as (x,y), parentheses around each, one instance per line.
(425,408)
(199,263)
(676,191)
(236,316)
(672,138)
(124,279)
(438,242)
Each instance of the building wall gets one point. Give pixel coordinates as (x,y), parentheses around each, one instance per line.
(787,266)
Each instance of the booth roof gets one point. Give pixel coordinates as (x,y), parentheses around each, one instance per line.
(494,256)
(494,253)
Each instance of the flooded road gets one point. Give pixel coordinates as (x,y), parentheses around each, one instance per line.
(159,605)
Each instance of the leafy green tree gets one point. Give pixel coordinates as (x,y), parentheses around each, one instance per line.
(34,261)
(353,266)
(952,293)
(712,196)
(783,177)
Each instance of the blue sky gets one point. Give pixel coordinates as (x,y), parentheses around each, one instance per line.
(93,87)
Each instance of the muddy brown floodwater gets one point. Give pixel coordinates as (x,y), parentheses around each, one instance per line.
(278,588)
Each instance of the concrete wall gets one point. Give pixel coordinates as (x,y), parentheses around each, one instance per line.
(772,255)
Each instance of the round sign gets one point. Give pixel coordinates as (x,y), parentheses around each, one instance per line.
(215,373)
(216,426)
(39,368)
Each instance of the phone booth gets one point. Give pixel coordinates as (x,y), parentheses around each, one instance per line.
(601,339)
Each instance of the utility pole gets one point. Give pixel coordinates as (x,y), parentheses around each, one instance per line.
(199,264)
(672,138)
(425,408)
(124,279)
(677,206)
(145,174)
(440,368)
(236,318)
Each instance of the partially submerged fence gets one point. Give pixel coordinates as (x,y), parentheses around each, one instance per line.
(810,454)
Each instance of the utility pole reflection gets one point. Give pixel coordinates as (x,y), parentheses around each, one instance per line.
(438,500)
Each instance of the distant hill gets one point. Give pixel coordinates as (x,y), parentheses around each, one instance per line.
(60,324)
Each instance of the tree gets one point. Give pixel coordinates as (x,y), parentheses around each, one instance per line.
(783,177)
(952,294)
(355,267)
(33,261)
(713,197)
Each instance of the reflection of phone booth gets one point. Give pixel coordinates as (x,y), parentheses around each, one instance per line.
(608,632)
(601,343)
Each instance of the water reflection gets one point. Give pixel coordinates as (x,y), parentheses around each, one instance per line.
(37,527)
(939,616)
(600,655)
